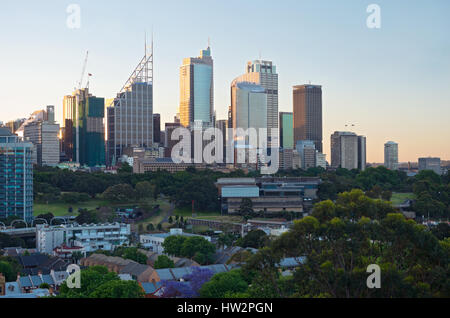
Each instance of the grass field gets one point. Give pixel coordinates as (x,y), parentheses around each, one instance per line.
(399,198)
(188,213)
(225,218)
(62,209)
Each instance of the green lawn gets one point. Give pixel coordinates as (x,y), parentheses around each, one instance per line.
(399,198)
(188,213)
(62,209)
(224,218)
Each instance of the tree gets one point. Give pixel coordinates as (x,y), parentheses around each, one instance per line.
(8,241)
(173,244)
(118,289)
(246,207)
(413,262)
(86,217)
(254,239)
(119,193)
(144,190)
(226,239)
(150,227)
(76,256)
(386,195)
(7,270)
(224,283)
(198,248)
(125,168)
(324,211)
(91,278)
(163,262)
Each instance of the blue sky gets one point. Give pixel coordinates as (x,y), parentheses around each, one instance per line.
(393,82)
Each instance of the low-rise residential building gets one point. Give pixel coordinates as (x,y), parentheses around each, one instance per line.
(90,237)
(177,274)
(154,242)
(120,266)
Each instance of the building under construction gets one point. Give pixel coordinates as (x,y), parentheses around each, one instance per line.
(130,115)
(83,128)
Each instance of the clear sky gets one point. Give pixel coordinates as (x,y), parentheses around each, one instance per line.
(392,82)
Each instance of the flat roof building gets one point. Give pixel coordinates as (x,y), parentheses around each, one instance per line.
(16,179)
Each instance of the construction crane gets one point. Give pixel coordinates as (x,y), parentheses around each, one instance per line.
(80,83)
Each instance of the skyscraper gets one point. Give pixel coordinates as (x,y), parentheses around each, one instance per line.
(308,114)
(84,131)
(248,105)
(391,155)
(222,125)
(16,180)
(168,142)
(307,151)
(348,151)
(157,128)
(264,73)
(197,91)
(286,130)
(43,132)
(429,163)
(249,111)
(130,116)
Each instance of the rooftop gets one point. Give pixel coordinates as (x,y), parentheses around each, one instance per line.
(5,132)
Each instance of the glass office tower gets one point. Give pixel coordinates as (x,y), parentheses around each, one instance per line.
(16,177)
(287,130)
(197,91)
(130,120)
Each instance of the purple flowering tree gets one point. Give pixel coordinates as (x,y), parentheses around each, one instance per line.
(191,285)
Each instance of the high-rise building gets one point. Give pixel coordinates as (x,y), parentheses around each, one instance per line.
(307,151)
(264,73)
(429,163)
(348,151)
(248,106)
(391,155)
(197,91)
(43,132)
(16,178)
(222,126)
(362,153)
(308,114)
(168,142)
(286,161)
(84,131)
(130,116)
(157,128)
(14,125)
(286,130)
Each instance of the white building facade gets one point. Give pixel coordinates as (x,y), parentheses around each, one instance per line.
(90,237)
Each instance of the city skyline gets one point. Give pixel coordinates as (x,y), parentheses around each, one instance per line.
(383,87)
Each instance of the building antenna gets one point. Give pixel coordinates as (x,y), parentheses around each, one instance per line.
(145,42)
(260,58)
